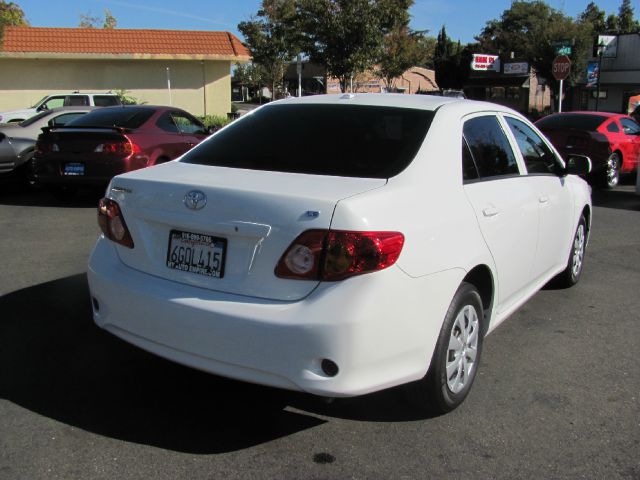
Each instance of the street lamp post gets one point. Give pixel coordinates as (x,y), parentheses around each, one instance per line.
(601,47)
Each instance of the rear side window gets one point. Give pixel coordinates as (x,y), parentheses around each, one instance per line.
(105,100)
(571,120)
(128,117)
(613,128)
(338,140)
(77,101)
(489,147)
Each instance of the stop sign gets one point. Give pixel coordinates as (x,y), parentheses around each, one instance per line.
(561,67)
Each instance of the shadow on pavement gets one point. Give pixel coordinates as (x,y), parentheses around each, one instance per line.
(37,197)
(622,198)
(56,362)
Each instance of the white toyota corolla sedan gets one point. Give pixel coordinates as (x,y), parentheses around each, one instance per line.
(341,244)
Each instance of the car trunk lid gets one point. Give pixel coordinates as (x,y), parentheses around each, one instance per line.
(250,218)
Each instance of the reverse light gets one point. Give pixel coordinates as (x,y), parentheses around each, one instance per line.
(112,223)
(332,255)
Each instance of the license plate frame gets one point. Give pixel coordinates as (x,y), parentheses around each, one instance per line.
(73,169)
(208,251)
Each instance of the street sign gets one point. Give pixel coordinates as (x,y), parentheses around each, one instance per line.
(564,47)
(561,67)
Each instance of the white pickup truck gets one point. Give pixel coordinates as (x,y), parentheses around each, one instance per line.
(75,99)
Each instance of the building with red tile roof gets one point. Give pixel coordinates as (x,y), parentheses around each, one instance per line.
(189,69)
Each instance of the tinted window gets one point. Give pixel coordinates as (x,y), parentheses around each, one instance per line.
(128,117)
(571,120)
(630,127)
(105,100)
(613,127)
(187,124)
(489,147)
(341,140)
(63,119)
(537,156)
(77,100)
(469,169)
(166,123)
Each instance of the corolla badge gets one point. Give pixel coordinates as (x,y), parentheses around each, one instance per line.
(195,200)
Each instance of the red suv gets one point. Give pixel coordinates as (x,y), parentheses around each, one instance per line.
(92,149)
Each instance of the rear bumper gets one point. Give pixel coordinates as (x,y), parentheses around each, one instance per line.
(380,329)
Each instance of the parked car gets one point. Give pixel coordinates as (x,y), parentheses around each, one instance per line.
(341,244)
(112,140)
(49,102)
(611,140)
(18,140)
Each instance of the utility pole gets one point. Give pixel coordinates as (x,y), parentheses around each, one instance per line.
(601,47)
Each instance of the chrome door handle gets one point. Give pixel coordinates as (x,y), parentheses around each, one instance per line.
(490,212)
(543,199)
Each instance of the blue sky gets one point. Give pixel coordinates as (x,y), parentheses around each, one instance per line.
(463,18)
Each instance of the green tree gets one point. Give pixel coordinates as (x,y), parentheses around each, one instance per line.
(613,24)
(594,17)
(89,21)
(10,15)
(272,39)
(451,61)
(401,50)
(347,36)
(249,75)
(626,18)
(528,30)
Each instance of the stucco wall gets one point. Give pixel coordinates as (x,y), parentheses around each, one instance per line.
(197,86)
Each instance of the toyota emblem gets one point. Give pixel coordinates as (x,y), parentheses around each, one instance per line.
(195,200)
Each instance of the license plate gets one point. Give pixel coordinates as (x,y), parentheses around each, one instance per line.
(73,169)
(196,253)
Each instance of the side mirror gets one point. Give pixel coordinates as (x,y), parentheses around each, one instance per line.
(42,108)
(578,165)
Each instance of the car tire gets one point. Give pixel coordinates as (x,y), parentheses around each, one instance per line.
(612,170)
(456,356)
(571,274)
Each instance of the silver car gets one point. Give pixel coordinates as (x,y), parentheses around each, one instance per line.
(18,140)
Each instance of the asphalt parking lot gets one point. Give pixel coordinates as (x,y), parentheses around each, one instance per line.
(557,396)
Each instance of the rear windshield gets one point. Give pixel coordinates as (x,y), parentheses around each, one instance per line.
(571,120)
(338,140)
(127,117)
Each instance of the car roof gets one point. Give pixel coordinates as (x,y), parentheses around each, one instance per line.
(600,114)
(421,102)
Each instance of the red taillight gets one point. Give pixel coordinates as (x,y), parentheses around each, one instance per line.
(45,146)
(112,223)
(121,148)
(336,254)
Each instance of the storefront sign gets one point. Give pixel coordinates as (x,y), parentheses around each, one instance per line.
(592,74)
(520,68)
(608,45)
(485,62)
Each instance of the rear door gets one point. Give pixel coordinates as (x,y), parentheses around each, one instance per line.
(193,132)
(504,202)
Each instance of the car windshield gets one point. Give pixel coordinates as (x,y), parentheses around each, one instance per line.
(127,117)
(571,120)
(337,140)
(34,119)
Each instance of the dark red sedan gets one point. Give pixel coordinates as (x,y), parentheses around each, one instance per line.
(92,149)
(611,140)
